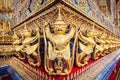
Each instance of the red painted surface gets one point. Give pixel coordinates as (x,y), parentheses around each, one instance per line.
(114,73)
(6,78)
(74,69)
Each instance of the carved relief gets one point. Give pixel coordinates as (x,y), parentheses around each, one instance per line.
(67,37)
(59,46)
(99,44)
(85,45)
(28,46)
(18,45)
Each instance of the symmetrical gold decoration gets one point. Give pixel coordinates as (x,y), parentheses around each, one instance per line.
(67,35)
(59,52)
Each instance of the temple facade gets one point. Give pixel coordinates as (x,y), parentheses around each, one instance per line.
(59,39)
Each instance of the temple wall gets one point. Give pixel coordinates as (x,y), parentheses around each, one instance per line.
(89,9)
(68,33)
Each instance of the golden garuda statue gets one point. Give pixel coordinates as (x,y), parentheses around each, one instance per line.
(85,46)
(59,46)
(18,45)
(99,45)
(31,47)
(105,37)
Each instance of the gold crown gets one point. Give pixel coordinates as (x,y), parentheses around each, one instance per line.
(59,20)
